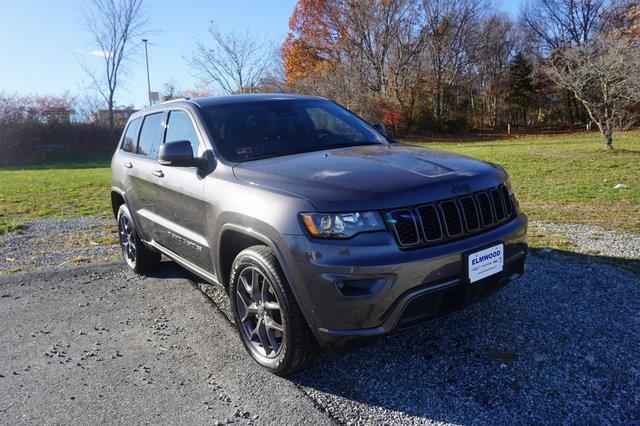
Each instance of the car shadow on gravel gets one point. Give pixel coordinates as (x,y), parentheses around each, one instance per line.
(170,269)
(560,344)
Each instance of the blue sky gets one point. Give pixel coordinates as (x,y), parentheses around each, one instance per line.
(43,41)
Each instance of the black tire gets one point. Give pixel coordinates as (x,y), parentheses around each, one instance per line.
(297,346)
(138,257)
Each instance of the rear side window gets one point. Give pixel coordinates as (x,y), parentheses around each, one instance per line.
(131,136)
(150,135)
(180,128)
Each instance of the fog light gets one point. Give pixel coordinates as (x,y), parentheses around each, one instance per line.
(360,288)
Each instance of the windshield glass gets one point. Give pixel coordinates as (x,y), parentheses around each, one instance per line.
(253,130)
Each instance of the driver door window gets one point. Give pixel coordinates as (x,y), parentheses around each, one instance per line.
(180,128)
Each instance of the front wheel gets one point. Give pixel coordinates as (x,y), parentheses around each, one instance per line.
(139,257)
(268,319)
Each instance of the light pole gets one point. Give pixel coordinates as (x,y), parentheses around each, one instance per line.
(146,55)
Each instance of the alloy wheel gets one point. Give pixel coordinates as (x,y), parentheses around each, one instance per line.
(127,242)
(259,313)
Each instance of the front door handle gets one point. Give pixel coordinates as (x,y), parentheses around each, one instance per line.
(158,173)
(128,164)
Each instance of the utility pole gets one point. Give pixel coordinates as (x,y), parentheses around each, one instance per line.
(146,55)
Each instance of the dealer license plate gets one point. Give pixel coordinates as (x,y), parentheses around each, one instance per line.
(486,262)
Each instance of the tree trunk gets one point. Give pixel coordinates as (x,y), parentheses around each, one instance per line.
(111,120)
(607,135)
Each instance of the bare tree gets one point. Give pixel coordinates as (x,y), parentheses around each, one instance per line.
(604,75)
(112,25)
(374,29)
(497,45)
(560,23)
(235,61)
(274,78)
(450,26)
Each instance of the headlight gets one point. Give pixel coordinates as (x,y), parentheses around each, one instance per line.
(341,225)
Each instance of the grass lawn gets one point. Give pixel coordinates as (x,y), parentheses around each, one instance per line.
(59,191)
(566,178)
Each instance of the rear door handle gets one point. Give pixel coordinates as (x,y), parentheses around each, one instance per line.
(128,164)
(158,173)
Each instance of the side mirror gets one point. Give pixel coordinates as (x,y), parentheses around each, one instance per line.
(380,129)
(178,154)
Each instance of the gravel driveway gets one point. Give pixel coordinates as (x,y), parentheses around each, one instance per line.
(100,345)
(97,344)
(53,243)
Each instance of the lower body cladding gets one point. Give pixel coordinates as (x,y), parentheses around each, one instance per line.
(355,290)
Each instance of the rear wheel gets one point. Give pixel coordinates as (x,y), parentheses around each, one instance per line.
(137,255)
(268,319)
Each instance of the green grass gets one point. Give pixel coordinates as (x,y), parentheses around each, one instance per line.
(56,191)
(568,178)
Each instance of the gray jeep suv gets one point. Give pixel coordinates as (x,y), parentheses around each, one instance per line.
(323,231)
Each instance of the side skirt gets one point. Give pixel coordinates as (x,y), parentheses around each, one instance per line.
(207,276)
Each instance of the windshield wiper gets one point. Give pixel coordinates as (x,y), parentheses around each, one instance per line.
(347,144)
(264,155)
(270,154)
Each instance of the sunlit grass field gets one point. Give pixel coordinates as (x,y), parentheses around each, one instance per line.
(56,191)
(567,178)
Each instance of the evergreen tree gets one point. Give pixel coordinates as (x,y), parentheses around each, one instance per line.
(521,87)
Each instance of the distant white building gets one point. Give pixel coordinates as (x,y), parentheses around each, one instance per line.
(120,115)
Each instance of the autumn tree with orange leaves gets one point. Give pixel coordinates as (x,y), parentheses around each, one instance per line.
(438,64)
(312,45)
(362,53)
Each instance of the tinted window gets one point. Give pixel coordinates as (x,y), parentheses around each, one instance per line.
(327,123)
(279,127)
(131,136)
(150,135)
(180,128)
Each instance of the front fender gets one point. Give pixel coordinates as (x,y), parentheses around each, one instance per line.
(266,234)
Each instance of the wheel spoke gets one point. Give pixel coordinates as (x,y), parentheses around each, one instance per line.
(246,285)
(242,307)
(271,324)
(274,306)
(273,340)
(255,283)
(262,335)
(246,310)
(264,292)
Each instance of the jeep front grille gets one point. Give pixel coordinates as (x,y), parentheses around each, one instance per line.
(452,218)
(404,225)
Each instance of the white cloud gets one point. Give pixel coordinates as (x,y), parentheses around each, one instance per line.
(100,53)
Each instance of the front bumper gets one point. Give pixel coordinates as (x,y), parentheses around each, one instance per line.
(413,286)
(423,304)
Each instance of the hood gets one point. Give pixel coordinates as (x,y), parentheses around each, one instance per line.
(371,177)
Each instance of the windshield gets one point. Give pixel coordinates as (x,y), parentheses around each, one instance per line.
(254,130)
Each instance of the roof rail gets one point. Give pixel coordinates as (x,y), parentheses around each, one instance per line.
(174,100)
